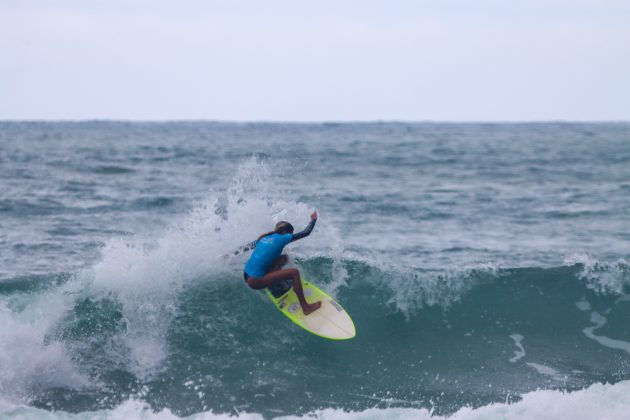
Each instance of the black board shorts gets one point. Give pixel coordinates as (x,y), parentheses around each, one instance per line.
(277,289)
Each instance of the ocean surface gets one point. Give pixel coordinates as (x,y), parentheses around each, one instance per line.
(486,267)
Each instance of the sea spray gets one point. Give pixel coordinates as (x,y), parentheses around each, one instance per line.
(147,278)
(31,359)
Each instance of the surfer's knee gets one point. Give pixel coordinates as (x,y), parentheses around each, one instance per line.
(294,273)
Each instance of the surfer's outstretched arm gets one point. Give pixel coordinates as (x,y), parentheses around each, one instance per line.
(308,229)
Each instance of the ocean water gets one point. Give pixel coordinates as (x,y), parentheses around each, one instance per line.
(485,267)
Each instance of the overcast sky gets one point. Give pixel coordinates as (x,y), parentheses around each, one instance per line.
(441,60)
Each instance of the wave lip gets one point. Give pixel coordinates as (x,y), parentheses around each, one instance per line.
(601,276)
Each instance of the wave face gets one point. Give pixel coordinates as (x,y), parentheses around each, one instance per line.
(217,344)
(117,298)
(470,338)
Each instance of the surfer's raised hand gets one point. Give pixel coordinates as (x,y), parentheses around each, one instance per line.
(314,216)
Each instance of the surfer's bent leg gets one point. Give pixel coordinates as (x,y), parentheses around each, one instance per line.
(280,275)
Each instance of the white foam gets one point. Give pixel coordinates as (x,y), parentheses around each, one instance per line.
(583,305)
(611,402)
(520,353)
(601,276)
(413,288)
(546,370)
(599,321)
(28,361)
(599,401)
(130,409)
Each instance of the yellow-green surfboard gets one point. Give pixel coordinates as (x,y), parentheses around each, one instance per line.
(329,321)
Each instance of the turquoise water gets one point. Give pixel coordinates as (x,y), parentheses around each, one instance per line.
(485,267)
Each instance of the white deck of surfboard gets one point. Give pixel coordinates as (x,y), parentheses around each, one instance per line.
(329,321)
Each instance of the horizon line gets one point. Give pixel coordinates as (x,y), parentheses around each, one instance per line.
(307,122)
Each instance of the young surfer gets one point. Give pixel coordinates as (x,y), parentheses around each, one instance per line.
(264,267)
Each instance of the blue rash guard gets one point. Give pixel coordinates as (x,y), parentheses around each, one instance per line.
(268,249)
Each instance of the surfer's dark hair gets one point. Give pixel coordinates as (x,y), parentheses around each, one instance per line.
(282,227)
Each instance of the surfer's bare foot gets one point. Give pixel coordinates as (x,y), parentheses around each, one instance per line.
(311,307)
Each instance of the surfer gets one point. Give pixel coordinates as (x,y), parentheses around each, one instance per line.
(265,266)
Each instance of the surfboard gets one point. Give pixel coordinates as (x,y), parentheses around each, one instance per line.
(330,321)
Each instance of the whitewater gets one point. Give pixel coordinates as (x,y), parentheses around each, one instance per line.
(485,267)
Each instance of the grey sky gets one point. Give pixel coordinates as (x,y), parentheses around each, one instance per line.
(322,60)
